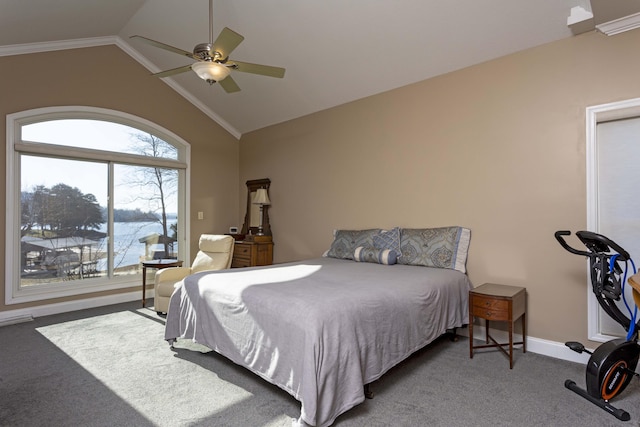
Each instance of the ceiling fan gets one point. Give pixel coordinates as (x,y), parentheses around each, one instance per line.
(213,63)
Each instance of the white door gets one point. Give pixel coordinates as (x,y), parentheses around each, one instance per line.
(617,200)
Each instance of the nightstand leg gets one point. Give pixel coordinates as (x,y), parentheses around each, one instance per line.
(470,333)
(524,332)
(486,331)
(510,345)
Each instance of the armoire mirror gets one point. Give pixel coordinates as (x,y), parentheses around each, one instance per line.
(252,217)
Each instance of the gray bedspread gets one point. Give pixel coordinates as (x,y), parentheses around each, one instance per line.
(322,328)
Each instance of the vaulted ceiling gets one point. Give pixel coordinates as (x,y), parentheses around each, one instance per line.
(334,51)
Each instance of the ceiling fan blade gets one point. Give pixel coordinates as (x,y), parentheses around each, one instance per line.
(265,70)
(173,71)
(165,47)
(226,42)
(229,85)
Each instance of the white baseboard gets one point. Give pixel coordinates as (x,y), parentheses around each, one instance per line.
(11,316)
(535,345)
(16,319)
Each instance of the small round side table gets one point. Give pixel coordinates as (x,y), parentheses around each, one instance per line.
(158,264)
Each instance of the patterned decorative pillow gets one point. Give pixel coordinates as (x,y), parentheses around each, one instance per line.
(388,239)
(345,242)
(379,256)
(444,247)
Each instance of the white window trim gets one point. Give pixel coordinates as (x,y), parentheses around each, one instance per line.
(14,122)
(594,115)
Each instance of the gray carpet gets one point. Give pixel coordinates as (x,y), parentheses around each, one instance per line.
(111,367)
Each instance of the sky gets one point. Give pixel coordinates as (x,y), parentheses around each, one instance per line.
(88,177)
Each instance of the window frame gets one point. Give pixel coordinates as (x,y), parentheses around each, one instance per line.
(16,147)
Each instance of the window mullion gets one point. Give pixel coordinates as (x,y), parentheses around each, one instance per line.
(110,229)
(78,153)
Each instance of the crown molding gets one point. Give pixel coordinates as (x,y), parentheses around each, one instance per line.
(621,25)
(28,48)
(580,20)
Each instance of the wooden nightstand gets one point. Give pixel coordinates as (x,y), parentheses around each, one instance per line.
(502,303)
(250,254)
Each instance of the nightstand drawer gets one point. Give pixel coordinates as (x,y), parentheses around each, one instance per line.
(239,263)
(490,303)
(490,314)
(242,251)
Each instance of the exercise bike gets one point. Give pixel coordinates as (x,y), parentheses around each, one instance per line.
(612,365)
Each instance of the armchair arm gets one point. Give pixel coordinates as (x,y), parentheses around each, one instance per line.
(174,274)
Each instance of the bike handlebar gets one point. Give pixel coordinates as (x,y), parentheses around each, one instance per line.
(559,237)
(594,242)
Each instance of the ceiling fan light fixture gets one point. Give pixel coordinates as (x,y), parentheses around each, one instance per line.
(211,71)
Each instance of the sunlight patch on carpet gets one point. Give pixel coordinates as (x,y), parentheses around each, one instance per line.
(152,372)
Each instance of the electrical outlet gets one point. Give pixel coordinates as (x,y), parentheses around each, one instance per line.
(200,215)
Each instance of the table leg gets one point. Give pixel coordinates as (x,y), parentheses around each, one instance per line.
(524,332)
(470,334)
(511,345)
(144,284)
(486,331)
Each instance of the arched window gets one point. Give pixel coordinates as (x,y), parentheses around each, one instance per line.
(90,194)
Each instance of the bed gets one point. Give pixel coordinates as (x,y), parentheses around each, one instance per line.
(323,328)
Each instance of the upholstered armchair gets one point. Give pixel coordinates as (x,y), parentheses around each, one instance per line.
(216,252)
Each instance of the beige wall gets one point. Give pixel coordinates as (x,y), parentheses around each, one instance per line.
(498,147)
(106,77)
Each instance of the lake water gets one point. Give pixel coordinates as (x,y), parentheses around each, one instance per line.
(129,250)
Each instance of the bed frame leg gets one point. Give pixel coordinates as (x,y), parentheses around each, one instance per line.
(453,334)
(367,391)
